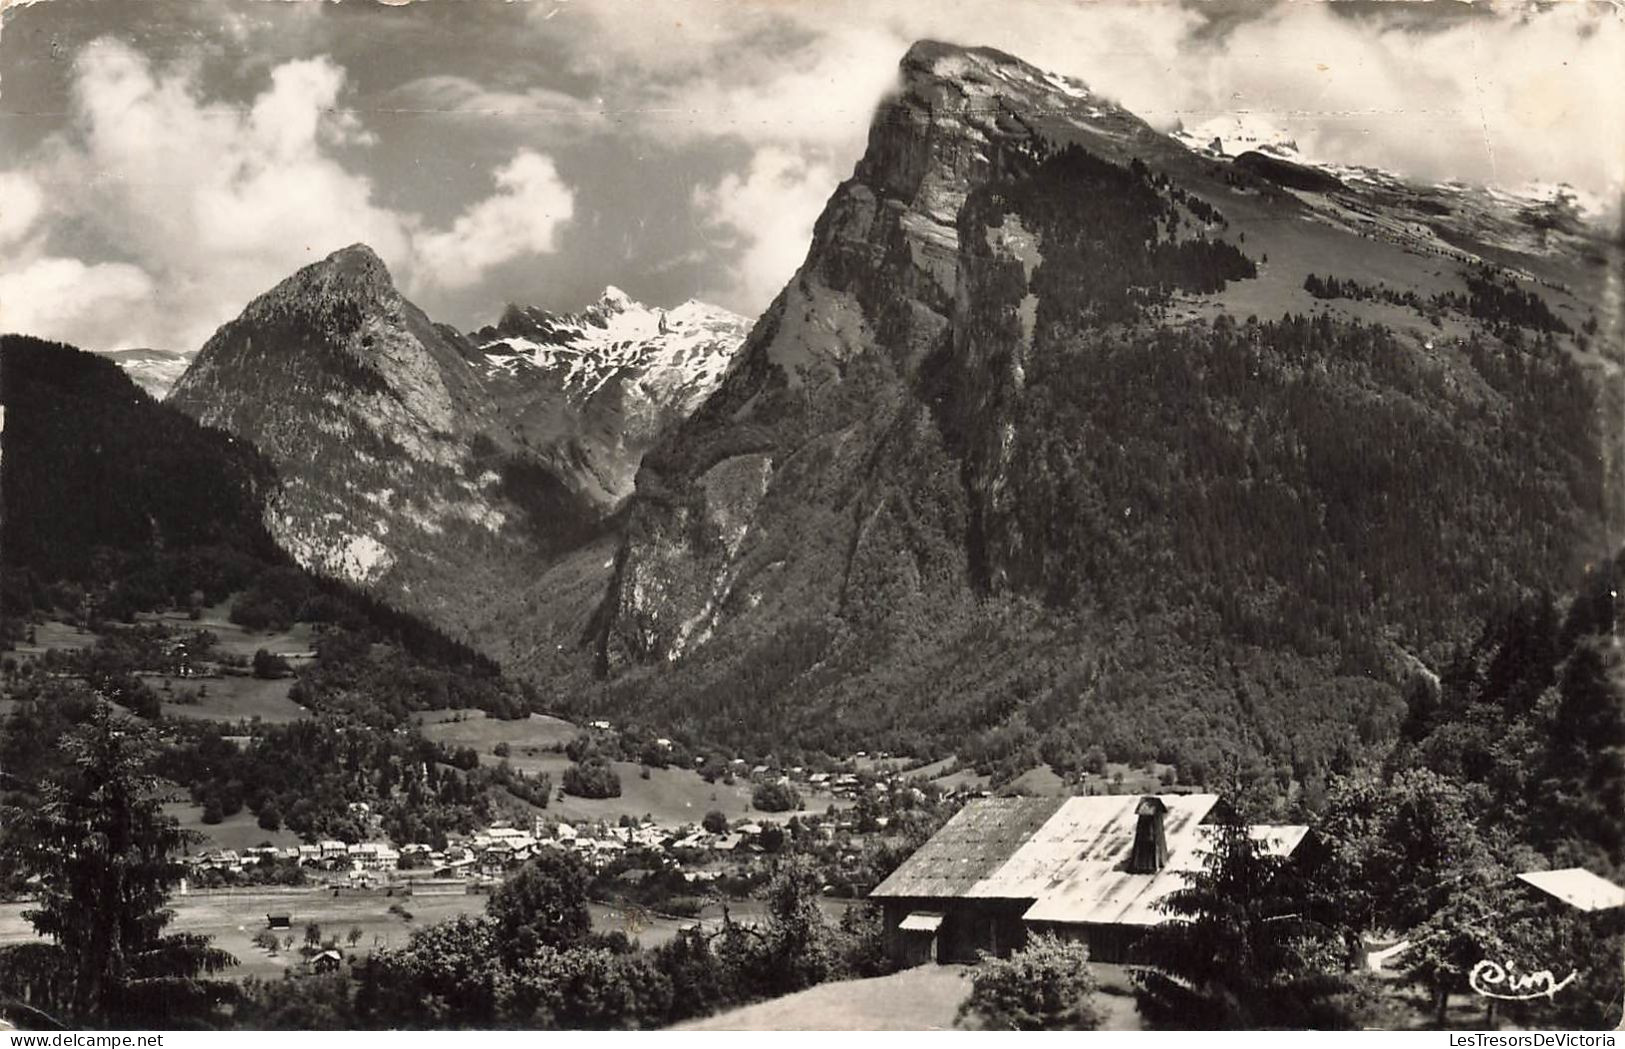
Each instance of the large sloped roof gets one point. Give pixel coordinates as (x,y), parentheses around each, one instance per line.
(974,844)
(1067,855)
(1577,887)
(1099,891)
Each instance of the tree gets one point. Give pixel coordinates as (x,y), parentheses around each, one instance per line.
(1238,950)
(715,822)
(799,952)
(593,778)
(269,665)
(775,797)
(104,855)
(543,903)
(1462,932)
(308,1002)
(1045,986)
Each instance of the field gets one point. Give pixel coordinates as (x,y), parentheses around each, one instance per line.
(240,831)
(53,635)
(233,918)
(234,640)
(227,699)
(483,733)
(671,796)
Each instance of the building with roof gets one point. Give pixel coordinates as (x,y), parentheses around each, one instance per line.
(1577,887)
(1091,868)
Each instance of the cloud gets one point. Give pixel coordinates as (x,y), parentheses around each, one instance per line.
(465,97)
(207,204)
(21,203)
(49,296)
(521,218)
(766,216)
(1507,96)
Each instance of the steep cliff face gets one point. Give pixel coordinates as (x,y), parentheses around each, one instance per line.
(1012,456)
(894,344)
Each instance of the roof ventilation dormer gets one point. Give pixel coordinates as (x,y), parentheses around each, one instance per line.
(1150,840)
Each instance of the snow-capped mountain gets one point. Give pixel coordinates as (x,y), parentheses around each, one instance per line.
(683,352)
(153,370)
(592,390)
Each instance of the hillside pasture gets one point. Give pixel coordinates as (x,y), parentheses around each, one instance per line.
(238,831)
(673,797)
(227,698)
(529,739)
(234,640)
(54,635)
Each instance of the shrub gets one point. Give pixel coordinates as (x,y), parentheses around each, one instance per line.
(715,822)
(1046,986)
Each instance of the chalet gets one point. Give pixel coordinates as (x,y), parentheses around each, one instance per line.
(1089,868)
(279,921)
(327,961)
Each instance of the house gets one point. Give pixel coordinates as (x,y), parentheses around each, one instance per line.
(326,962)
(1089,868)
(279,921)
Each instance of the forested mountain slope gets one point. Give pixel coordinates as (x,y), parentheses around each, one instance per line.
(1047,445)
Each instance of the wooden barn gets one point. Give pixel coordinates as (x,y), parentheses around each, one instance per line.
(1090,868)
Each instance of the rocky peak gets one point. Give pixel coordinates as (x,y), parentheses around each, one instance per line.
(354,275)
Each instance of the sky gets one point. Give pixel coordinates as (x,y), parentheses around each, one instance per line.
(164,161)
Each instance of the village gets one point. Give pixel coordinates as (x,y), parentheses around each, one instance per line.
(866,808)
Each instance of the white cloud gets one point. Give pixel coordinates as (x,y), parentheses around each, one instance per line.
(767,215)
(449,94)
(1517,95)
(521,218)
(21,203)
(55,297)
(213,204)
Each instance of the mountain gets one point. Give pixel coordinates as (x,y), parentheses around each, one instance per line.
(1049,445)
(96,473)
(443,472)
(369,412)
(593,390)
(155,371)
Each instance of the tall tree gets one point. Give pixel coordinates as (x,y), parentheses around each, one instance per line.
(542,904)
(103,854)
(1238,950)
